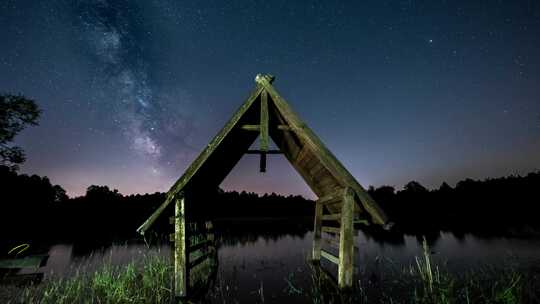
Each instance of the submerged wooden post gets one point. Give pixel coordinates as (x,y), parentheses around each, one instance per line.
(180,260)
(346,241)
(317,232)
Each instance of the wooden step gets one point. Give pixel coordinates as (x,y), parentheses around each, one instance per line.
(334,230)
(361,221)
(330,257)
(331,217)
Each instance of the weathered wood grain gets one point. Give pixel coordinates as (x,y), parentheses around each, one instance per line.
(180,259)
(317,232)
(330,257)
(346,241)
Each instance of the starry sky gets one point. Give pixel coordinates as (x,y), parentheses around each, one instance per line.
(132,91)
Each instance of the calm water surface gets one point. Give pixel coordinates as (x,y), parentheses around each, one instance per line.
(253,262)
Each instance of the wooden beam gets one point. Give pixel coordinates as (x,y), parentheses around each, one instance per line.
(317,233)
(177,188)
(361,221)
(251,127)
(307,136)
(263,152)
(331,217)
(332,198)
(264,121)
(180,259)
(346,241)
(199,245)
(330,257)
(199,259)
(334,230)
(284,128)
(258,127)
(264,140)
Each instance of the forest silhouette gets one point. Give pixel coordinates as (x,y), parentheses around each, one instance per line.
(33,209)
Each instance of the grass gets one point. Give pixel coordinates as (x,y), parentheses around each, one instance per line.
(147,283)
(421,282)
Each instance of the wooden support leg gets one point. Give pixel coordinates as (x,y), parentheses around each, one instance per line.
(346,241)
(317,232)
(180,258)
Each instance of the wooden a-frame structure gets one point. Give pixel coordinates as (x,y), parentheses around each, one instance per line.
(341,199)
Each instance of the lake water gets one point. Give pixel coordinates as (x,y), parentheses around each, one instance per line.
(277,263)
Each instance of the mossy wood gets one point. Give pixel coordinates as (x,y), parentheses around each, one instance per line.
(268,115)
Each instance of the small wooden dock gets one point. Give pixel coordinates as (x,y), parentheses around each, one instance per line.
(10,266)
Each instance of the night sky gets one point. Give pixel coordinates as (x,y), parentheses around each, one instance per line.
(132,91)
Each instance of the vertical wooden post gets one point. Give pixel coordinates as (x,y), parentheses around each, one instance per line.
(264,130)
(317,232)
(180,258)
(346,241)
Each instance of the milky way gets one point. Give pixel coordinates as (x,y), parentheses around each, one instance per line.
(154,123)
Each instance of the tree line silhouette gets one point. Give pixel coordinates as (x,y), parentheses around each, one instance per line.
(33,208)
(494,206)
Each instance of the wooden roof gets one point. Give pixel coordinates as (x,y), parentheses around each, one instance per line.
(323,173)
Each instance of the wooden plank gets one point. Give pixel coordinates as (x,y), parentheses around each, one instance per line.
(361,221)
(33,261)
(332,198)
(309,162)
(199,161)
(346,241)
(258,127)
(331,217)
(264,121)
(327,183)
(180,259)
(317,232)
(302,154)
(284,128)
(330,257)
(341,174)
(264,140)
(334,230)
(194,262)
(319,170)
(199,245)
(250,127)
(263,152)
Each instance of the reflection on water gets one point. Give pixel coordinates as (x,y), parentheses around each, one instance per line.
(260,257)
